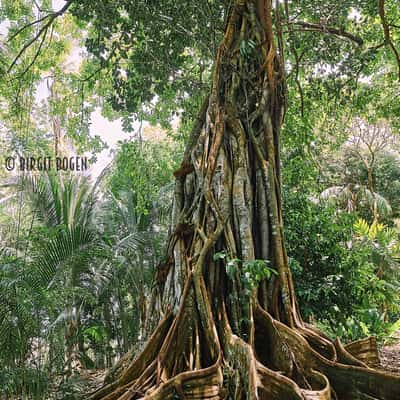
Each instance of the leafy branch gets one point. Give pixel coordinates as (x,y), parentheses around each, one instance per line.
(41,34)
(251,272)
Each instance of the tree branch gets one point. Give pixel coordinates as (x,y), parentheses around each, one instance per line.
(27,26)
(329,30)
(42,31)
(36,54)
(386,31)
(297,58)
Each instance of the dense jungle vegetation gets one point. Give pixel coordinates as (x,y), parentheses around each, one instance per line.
(90,265)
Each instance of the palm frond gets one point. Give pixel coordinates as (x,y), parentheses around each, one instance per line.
(72,247)
(60,199)
(336,193)
(42,193)
(383,206)
(133,242)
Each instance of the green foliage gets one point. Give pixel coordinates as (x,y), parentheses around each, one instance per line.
(349,184)
(244,275)
(144,167)
(30,383)
(393,328)
(343,278)
(247,47)
(387,180)
(251,272)
(140,69)
(16,308)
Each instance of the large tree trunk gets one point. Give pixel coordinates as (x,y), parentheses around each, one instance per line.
(218,336)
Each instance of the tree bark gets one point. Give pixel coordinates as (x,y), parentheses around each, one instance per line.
(217,337)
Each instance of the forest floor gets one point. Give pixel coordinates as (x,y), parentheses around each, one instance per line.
(390,355)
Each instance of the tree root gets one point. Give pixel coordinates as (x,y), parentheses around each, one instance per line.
(280,364)
(347,381)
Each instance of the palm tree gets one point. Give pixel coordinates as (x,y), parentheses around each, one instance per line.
(64,204)
(130,238)
(351,197)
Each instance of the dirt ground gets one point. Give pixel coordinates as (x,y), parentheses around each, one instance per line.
(390,355)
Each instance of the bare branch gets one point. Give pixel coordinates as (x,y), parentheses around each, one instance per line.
(36,54)
(328,30)
(297,58)
(386,31)
(19,31)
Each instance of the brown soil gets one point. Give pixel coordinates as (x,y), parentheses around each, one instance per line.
(390,355)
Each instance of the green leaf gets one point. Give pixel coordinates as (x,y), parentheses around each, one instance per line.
(219,256)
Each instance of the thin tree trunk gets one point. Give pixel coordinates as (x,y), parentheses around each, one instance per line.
(124,323)
(373,194)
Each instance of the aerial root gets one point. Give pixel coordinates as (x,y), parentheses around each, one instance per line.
(262,382)
(318,342)
(205,383)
